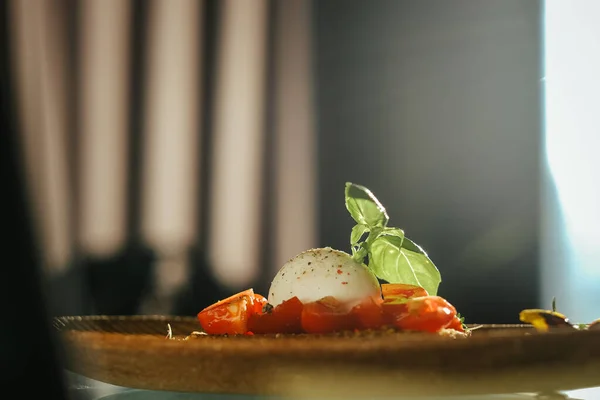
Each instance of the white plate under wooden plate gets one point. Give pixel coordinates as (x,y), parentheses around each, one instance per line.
(134,352)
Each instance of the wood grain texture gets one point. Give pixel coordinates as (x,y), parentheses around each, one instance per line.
(134,352)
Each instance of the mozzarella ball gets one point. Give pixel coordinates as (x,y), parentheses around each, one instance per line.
(317,273)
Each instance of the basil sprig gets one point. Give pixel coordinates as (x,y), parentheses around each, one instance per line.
(391,256)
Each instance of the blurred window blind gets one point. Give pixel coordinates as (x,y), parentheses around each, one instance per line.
(183,127)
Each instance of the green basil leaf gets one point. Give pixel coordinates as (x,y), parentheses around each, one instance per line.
(373,234)
(400,260)
(387,261)
(359,252)
(357,233)
(393,232)
(413,247)
(364,207)
(391,256)
(424,268)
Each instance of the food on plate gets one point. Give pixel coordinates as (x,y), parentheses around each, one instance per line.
(544,320)
(326,290)
(231,315)
(318,273)
(551,320)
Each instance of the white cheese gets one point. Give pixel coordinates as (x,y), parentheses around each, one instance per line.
(317,273)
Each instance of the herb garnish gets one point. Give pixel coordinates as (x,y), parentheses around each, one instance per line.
(390,255)
(462,321)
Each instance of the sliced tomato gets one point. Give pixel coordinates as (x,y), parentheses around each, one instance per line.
(258,302)
(228,316)
(284,318)
(368,314)
(326,315)
(427,313)
(401,290)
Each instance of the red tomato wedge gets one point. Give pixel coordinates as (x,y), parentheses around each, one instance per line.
(368,314)
(401,290)
(325,316)
(259,301)
(242,313)
(230,316)
(428,313)
(284,318)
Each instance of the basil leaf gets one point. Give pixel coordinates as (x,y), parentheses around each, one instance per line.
(357,233)
(424,268)
(394,232)
(359,252)
(373,234)
(364,207)
(413,247)
(391,256)
(387,262)
(400,260)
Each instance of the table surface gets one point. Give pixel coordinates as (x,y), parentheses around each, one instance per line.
(89,389)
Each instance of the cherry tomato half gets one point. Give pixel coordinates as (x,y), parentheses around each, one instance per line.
(428,313)
(229,316)
(368,314)
(325,316)
(401,290)
(258,302)
(284,318)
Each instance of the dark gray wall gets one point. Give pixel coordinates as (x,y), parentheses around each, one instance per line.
(436,106)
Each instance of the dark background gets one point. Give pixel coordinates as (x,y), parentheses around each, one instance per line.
(436,107)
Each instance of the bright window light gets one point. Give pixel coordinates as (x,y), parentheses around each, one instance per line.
(571,217)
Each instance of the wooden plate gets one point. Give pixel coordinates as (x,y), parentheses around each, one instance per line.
(134,352)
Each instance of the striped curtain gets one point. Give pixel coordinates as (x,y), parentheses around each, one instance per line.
(169,146)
